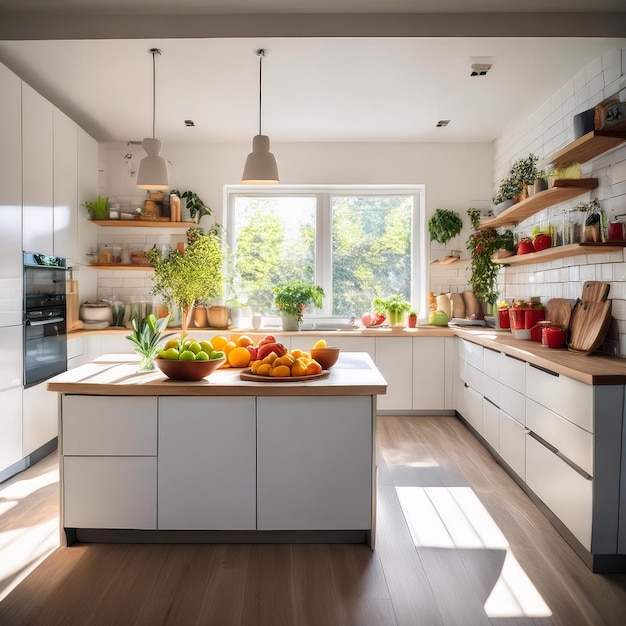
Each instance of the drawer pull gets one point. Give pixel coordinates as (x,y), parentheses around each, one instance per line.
(544,369)
(515,358)
(545,444)
(491,402)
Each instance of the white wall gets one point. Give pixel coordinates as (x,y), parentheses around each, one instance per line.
(545,131)
(456,175)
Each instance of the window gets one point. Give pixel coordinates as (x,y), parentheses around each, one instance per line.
(358,243)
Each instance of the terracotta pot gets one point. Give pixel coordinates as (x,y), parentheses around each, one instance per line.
(217,316)
(200,318)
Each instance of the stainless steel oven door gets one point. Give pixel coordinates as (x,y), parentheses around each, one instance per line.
(45,345)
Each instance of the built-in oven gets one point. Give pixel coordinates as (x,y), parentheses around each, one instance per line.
(45,333)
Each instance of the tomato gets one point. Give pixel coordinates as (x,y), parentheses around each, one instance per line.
(542,242)
(525,246)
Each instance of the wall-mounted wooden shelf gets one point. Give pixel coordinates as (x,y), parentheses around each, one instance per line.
(571,188)
(122,266)
(142,224)
(561,252)
(587,147)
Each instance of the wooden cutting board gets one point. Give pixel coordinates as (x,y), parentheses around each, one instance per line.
(559,311)
(589,325)
(595,291)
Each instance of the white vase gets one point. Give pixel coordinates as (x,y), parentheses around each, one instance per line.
(290,322)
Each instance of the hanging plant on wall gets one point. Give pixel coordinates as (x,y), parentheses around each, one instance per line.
(444,225)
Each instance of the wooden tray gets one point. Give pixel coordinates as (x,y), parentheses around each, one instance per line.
(257,378)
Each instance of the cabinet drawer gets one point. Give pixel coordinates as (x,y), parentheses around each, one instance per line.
(513,373)
(566,493)
(491,423)
(491,389)
(110,492)
(513,403)
(570,440)
(473,408)
(473,354)
(491,360)
(95,425)
(569,398)
(472,377)
(512,444)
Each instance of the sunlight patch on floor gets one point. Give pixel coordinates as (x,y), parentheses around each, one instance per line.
(454,518)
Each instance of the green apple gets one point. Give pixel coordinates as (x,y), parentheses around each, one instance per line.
(195,347)
(187,355)
(202,356)
(438,318)
(207,346)
(170,353)
(217,354)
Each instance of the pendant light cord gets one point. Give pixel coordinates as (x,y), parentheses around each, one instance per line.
(154,52)
(261,54)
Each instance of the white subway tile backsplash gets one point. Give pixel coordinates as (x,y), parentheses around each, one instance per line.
(595,88)
(593,69)
(606,272)
(574,273)
(587,272)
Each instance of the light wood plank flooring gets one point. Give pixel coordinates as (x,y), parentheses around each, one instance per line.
(457,543)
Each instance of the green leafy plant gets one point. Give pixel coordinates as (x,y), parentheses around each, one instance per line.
(508,189)
(291,297)
(524,170)
(197,208)
(195,275)
(99,208)
(146,337)
(393,308)
(444,225)
(482,244)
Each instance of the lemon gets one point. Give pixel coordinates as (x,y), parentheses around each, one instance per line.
(320,344)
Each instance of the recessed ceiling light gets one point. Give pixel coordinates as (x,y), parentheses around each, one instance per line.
(189,123)
(442,123)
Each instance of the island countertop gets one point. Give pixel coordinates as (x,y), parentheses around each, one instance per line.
(117,375)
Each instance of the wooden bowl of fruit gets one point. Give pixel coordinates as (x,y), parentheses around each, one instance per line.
(188,370)
(326,356)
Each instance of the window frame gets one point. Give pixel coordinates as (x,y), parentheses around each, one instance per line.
(420,250)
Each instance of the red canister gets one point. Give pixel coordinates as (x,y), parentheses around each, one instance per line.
(504,318)
(532,316)
(517,317)
(554,337)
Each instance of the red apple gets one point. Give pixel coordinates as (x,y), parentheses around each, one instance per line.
(266,339)
(525,246)
(542,242)
(253,352)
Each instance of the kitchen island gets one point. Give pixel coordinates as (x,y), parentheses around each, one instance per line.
(147,459)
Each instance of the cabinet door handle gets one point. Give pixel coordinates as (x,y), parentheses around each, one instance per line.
(515,358)
(544,369)
(545,444)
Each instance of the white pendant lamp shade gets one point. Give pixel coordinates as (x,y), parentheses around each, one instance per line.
(153,168)
(260,167)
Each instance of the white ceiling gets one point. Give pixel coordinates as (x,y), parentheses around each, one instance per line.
(363,87)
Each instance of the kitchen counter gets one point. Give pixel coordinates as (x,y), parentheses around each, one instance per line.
(148,459)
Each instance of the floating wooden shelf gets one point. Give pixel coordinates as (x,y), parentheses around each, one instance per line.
(561,252)
(587,147)
(527,208)
(122,266)
(142,224)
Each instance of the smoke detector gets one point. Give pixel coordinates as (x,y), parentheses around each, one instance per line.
(480,65)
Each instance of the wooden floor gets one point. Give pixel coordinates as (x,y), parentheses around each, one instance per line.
(457,543)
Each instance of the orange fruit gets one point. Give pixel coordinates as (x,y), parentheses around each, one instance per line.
(299,367)
(270,358)
(297,353)
(264,369)
(313,368)
(254,366)
(238,357)
(244,341)
(286,359)
(218,342)
(281,371)
(228,346)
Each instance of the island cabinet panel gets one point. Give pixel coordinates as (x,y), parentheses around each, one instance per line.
(101,426)
(110,492)
(393,358)
(314,463)
(207,463)
(429,377)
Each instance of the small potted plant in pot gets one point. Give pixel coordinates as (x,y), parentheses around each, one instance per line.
(197,208)
(505,196)
(393,308)
(412,319)
(291,298)
(524,171)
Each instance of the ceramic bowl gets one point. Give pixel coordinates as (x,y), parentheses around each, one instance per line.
(326,357)
(188,370)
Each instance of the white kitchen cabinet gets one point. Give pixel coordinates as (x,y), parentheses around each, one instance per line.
(10,427)
(513,373)
(40,413)
(512,443)
(76,352)
(37,172)
(118,426)
(491,363)
(491,389)
(473,404)
(10,198)
(429,373)
(394,357)
(565,491)
(12,361)
(65,189)
(87,149)
(314,465)
(491,423)
(110,492)
(215,487)
(513,403)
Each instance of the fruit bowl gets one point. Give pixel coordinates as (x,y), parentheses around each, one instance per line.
(188,370)
(326,357)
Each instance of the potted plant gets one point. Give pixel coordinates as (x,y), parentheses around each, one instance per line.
(194,275)
(197,208)
(412,319)
(482,245)
(524,171)
(393,308)
(291,298)
(444,225)
(509,188)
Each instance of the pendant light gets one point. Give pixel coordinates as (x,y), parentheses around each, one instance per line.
(153,168)
(260,167)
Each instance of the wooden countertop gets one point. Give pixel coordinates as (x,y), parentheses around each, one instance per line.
(354,374)
(592,369)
